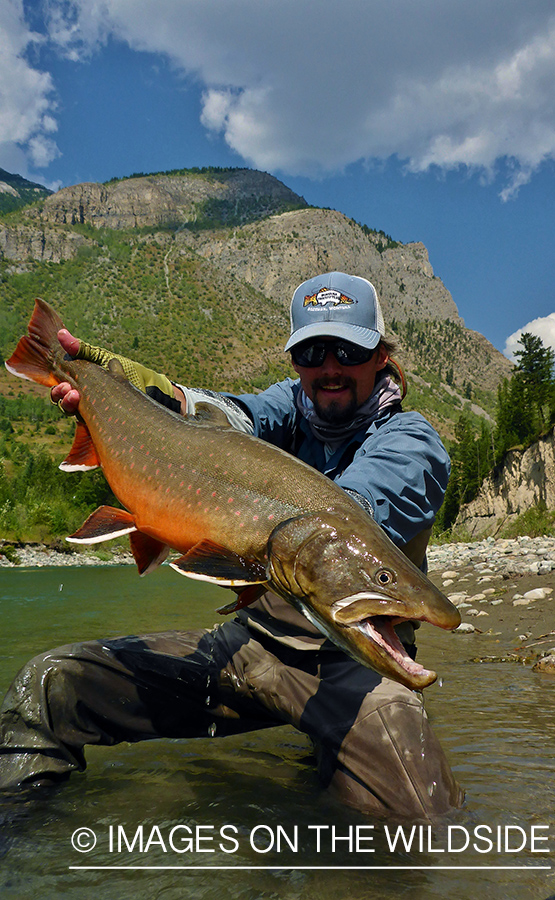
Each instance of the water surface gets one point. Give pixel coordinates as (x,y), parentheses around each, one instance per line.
(252,802)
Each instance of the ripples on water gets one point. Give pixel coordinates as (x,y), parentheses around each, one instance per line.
(496,722)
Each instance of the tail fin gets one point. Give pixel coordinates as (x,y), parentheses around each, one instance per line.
(33,358)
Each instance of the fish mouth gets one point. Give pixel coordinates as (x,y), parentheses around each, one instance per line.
(379,629)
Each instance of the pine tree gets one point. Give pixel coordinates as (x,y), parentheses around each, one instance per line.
(534,370)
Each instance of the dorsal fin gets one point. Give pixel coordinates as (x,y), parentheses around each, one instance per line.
(115,368)
(209,414)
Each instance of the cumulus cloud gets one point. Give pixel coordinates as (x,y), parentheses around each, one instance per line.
(309,89)
(543,328)
(27,124)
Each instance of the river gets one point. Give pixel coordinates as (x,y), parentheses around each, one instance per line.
(244,817)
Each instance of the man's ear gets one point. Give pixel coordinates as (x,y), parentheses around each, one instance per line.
(383,358)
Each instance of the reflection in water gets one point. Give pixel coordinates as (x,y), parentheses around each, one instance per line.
(253,800)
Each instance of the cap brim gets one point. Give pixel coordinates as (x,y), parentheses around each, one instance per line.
(356,334)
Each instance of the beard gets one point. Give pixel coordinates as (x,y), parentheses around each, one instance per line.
(336,412)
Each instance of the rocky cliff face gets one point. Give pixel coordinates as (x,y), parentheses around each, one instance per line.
(526,478)
(278,253)
(153,200)
(23,243)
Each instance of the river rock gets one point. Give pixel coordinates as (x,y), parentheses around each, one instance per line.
(545,665)
(464,628)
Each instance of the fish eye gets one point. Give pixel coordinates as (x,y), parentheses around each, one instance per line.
(385,577)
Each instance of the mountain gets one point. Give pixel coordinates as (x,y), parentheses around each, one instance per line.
(192,272)
(16,191)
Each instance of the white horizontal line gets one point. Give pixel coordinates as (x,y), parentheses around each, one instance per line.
(317,868)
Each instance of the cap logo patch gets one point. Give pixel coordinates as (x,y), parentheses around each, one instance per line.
(326,297)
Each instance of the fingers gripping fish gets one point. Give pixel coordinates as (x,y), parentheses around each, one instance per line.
(242,513)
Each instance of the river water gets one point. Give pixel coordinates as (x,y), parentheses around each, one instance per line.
(244,817)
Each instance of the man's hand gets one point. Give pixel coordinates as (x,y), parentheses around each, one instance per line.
(157,386)
(63,394)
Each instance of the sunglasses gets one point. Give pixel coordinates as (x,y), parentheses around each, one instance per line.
(311,354)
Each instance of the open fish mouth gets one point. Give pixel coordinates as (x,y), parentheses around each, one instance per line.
(379,628)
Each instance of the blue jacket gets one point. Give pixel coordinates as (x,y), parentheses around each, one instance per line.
(398,463)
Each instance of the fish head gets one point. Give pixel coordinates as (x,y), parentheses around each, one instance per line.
(346,576)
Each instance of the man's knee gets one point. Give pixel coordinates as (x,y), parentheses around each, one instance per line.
(391,761)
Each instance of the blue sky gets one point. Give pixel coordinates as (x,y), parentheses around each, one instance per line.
(434,121)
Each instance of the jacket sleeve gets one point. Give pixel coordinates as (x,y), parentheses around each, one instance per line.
(272,412)
(402,470)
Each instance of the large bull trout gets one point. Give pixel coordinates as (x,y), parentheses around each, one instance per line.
(241,512)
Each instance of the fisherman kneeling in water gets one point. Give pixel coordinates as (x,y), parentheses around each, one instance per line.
(269,666)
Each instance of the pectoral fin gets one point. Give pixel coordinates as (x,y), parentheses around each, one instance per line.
(104,524)
(83,455)
(207,561)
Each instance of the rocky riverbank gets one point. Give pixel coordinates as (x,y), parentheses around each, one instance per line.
(505,591)
(37,555)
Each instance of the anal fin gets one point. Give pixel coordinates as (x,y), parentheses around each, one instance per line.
(104,524)
(208,561)
(83,455)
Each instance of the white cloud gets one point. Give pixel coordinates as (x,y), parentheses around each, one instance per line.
(308,88)
(26,104)
(543,328)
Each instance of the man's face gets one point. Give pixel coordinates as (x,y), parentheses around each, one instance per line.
(337,391)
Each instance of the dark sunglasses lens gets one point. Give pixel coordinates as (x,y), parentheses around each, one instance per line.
(313,353)
(310,354)
(348,354)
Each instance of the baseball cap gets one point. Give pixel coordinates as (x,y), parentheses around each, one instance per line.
(336,305)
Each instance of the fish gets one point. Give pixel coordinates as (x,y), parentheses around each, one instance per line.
(241,512)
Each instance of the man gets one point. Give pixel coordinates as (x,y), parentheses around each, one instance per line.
(269,666)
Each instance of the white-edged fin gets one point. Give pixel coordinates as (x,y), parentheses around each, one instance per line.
(200,576)
(207,561)
(83,456)
(17,373)
(103,524)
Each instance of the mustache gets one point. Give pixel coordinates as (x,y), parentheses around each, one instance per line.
(340,381)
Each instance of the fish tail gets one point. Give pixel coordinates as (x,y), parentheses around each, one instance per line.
(34,357)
